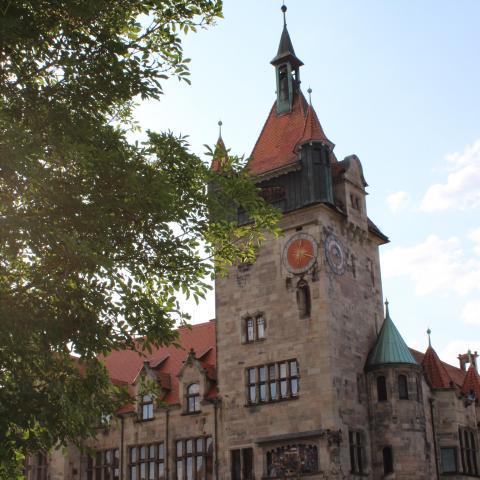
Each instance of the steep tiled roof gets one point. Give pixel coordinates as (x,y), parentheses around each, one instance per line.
(471,383)
(124,366)
(218,155)
(435,370)
(282,134)
(389,347)
(455,373)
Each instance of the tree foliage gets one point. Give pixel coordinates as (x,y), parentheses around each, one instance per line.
(98,234)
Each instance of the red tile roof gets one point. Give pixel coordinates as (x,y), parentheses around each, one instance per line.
(282,134)
(124,366)
(218,155)
(455,373)
(471,383)
(435,370)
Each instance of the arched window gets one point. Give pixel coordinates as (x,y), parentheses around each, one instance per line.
(193,398)
(402,387)
(387,460)
(303,299)
(381,389)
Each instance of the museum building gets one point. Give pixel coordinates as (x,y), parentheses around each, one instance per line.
(302,373)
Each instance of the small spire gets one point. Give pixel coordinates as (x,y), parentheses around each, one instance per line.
(469,353)
(429,332)
(220,123)
(309,91)
(284,11)
(387,313)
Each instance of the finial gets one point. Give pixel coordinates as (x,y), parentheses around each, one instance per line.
(469,353)
(284,10)
(429,332)
(309,91)
(220,123)
(387,313)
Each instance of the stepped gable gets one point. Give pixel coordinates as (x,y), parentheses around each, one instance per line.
(282,134)
(471,384)
(124,366)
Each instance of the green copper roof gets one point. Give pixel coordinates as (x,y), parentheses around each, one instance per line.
(390,346)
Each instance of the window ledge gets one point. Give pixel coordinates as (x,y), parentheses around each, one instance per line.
(319,472)
(191,413)
(143,420)
(253,342)
(270,402)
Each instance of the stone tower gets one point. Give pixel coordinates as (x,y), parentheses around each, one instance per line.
(397,408)
(294,329)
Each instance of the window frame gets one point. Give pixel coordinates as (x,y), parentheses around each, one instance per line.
(273,380)
(242,473)
(39,468)
(455,458)
(402,386)
(382,390)
(356,442)
(388,467)
(193,397)
(157,459)
(468,450)
(206,453)
(104,469)
(254,328)
(146,404)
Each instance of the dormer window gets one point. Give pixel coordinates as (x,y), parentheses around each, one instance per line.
(193,398)
(146,407)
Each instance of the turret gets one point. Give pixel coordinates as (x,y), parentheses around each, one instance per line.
(397,413)
(287,69)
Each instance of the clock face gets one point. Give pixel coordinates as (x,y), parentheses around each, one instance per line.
(300,253)
(335,254)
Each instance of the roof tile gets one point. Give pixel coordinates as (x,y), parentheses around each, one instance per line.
(282,134)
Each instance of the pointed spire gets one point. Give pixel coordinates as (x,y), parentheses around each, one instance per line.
(429,339)
(390,346)
(309,91)
(471,384)
(220,153)
(435,370)
(286,51)
(387,313)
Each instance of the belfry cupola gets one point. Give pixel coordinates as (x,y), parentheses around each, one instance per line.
(287,68)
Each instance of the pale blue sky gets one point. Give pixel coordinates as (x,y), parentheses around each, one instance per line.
(395,82)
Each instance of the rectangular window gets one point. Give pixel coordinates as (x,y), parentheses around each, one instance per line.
(146,407)
(260,328)
(242,464)
(448,457)
(268,383)
(254,328)
(468,448)
(39,467)
(356,451)
(147,462)
(104,466)
(194,459)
